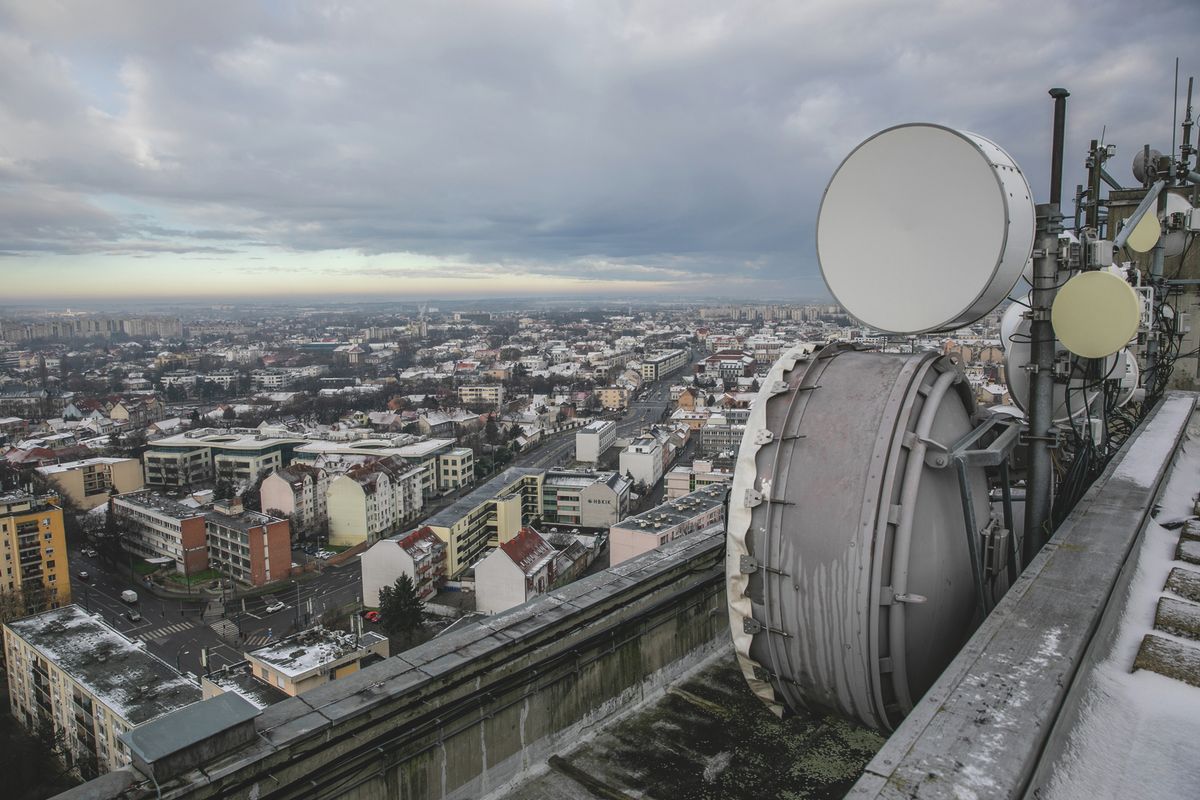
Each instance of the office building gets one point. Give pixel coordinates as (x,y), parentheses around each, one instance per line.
(642,460)
(586,499)
(238,456)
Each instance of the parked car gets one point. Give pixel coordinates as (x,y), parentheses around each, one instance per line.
(89,552)
(82,575)
(133,616)
(276,606)
(372,616)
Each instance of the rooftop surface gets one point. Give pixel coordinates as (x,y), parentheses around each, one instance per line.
(198,722)
(85,462)
(259,693)
(148,499)
(308,650)
(116,671)
(596,426)
(708,738)
(676,511)
(488,491)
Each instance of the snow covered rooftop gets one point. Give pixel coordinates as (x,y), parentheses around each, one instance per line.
(310,650)
(118,672)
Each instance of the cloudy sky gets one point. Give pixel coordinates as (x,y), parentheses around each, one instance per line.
(439,149)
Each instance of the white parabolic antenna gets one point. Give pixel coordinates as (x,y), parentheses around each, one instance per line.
(924,228)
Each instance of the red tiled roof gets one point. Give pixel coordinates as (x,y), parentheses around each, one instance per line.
(527,549)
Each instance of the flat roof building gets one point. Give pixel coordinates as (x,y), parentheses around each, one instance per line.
(667,522)
(488,516)
(87,482)
(72,670)
(310,658)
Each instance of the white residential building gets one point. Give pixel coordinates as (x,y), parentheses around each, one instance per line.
(419,554)
(298,492)
(593,439)
(373,499)
(517,570)
(642,460)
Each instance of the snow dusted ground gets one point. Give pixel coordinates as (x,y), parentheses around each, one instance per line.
(1135,734)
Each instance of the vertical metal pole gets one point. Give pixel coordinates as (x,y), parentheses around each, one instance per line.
(1041,366)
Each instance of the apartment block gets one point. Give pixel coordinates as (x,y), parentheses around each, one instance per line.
(373,499)
(419,554)
(71,670)
(297,492)
(456,469)
(613,398)
(87,483)
(660,364)
(34,543)
(488,516)
(482,394)
(248,546)
(665,523)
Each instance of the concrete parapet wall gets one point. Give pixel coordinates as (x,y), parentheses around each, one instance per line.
(469,712)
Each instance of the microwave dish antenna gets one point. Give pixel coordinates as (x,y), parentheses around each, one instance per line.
(924,228)
(1095,314)
(850,580)
(1069,399)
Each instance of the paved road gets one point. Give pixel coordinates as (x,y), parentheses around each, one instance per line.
(560,449)
(175,630)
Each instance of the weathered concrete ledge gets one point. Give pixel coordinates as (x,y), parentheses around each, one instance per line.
(980,730)
(469,711)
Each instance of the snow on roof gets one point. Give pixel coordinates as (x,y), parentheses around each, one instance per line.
(119,673)
(86,462)
(303,652)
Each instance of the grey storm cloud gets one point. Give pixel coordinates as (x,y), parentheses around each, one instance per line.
(658,141)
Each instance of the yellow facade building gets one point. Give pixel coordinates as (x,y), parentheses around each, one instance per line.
(33,548)
(87,483)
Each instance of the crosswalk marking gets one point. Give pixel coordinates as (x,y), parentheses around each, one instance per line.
(167,630)
(257,641)
(224,628)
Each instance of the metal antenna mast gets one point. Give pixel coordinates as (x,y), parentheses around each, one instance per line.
(1041,436)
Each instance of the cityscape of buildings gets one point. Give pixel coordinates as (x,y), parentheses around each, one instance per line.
(229,468)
